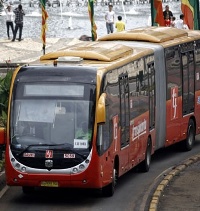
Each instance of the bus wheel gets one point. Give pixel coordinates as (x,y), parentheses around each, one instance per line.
(109,190)
(145,165)
(189,141)
(27,189)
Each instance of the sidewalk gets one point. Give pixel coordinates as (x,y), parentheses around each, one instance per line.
(183,191)
(27,50)
(179,190)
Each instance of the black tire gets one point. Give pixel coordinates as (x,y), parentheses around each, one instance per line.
(109,190)
(27,189)
(189,141)
(145,165)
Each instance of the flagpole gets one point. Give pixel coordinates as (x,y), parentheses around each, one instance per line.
(152,13)
(44,46)
(44,42)
(124,11)
(198,16)
(91,15)
(44,18)
(61,11)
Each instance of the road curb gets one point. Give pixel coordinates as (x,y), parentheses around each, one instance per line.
(175,171)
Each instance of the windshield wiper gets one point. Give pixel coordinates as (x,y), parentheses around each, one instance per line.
(14,136)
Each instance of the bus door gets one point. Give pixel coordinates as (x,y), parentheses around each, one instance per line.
(124,111)
(188,81)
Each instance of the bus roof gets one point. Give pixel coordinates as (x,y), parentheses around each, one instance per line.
(93,51)
(125,47)
(98,54)
(149,34)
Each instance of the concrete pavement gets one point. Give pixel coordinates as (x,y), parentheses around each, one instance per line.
(177,189)
(27,50)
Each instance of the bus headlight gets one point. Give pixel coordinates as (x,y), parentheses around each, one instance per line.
(17,165)
(87,161)
(23,169)
(12,160)
(75,170)
(81,166)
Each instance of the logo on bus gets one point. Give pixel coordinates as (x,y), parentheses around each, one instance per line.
(48,163)
(49,154)
(174,100)
(115,120)
(139,130)
(115,127)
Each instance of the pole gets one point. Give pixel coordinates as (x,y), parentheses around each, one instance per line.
(197,25)
(44,46)
(124,11)
(91,15)
(61,11)
(44,26)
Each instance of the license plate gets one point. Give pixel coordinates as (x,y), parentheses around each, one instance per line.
(49,184)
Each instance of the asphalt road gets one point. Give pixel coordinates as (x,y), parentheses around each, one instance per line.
(133,192)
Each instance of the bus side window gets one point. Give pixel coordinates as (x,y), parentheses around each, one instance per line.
(106,126)
(104,136)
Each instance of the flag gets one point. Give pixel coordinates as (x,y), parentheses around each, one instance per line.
(91,15)
(190,10)
(44,25)
(157,18)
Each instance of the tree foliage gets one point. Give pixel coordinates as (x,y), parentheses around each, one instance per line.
(4,95)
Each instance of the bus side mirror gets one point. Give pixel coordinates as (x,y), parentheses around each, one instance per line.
(101,109)
(2,136)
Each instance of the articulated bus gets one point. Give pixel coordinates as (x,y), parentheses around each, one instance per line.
(83,116)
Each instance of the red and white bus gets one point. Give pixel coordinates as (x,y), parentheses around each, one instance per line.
(91,112)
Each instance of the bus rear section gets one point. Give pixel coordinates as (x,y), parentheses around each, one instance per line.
(177,87)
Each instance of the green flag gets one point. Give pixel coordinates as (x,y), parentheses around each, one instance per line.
(157,18)
(190,10)
(44,25)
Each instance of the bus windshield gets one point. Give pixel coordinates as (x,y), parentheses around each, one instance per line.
(53,115)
